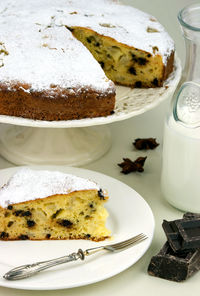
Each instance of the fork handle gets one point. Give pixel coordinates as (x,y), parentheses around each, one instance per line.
(25,271)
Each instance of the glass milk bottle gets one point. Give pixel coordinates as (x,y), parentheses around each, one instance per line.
(180,177)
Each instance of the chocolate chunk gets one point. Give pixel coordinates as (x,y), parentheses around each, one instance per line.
(26,214)
(4,234)
(132,70)
(183,234)
(21,213)
(129,166)
(138,84)
(100,194)
(30,223)
(172,266)
(142,61)
(48,235)
(88,235)
(145,143)
(155,82)
(18,213)
(56,214)
(23,237)
(10,223)
(10,207)
(66,223)
(189,215)
(102,64)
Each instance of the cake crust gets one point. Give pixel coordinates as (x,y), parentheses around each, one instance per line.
(63,106)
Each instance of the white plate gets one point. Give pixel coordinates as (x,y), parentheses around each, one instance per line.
(129,215)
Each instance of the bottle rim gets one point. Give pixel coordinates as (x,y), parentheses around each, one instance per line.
(181,18)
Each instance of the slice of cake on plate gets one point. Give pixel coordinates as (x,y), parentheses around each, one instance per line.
(41,205)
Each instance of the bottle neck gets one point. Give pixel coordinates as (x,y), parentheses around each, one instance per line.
(191,71)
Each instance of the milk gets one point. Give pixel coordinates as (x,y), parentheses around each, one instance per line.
(180,178)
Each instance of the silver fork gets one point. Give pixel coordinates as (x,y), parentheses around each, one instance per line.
(25,271)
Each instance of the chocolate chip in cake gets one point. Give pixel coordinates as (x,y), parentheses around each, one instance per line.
(97,44)
(22,213)
(4,234)
(10,207)
(56,214)
(70,29)
(87,216)
(132,70)
(66,223)
(10,223)
(6,214)
(48,235)
(138,84)
(23,237)
(30,223)
(102,64)
(26,214)
(18,213)
(91,205)
(155,82)
(100,194)
(87,235)
(149,55)
(90,39)
(142,61)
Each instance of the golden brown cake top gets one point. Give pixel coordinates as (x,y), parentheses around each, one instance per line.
(27,184)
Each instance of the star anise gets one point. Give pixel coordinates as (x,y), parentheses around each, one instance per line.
(129,166)
(145,144)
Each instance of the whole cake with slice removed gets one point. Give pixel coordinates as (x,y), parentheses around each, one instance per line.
(59,59)
(41,205)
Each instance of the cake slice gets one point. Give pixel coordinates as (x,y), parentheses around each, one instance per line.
(41,205)
(132,47)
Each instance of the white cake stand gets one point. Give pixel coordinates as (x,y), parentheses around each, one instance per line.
(76,142)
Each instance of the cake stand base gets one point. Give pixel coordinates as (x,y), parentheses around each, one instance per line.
(65,146)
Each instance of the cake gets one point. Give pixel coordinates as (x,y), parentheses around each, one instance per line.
(42,205)
(64,62)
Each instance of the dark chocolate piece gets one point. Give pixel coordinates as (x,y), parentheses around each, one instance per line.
(183,234)
(190,215)
(172,266)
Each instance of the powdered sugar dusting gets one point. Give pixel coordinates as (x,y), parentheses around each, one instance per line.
(37,50)
(42,55)
(125,24)
(28,184)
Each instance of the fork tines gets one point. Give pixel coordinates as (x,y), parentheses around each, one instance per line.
(133,240)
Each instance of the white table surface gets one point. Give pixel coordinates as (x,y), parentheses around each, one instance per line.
(135,280)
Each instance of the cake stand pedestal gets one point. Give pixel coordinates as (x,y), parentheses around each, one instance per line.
(76,142)
(74,146)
